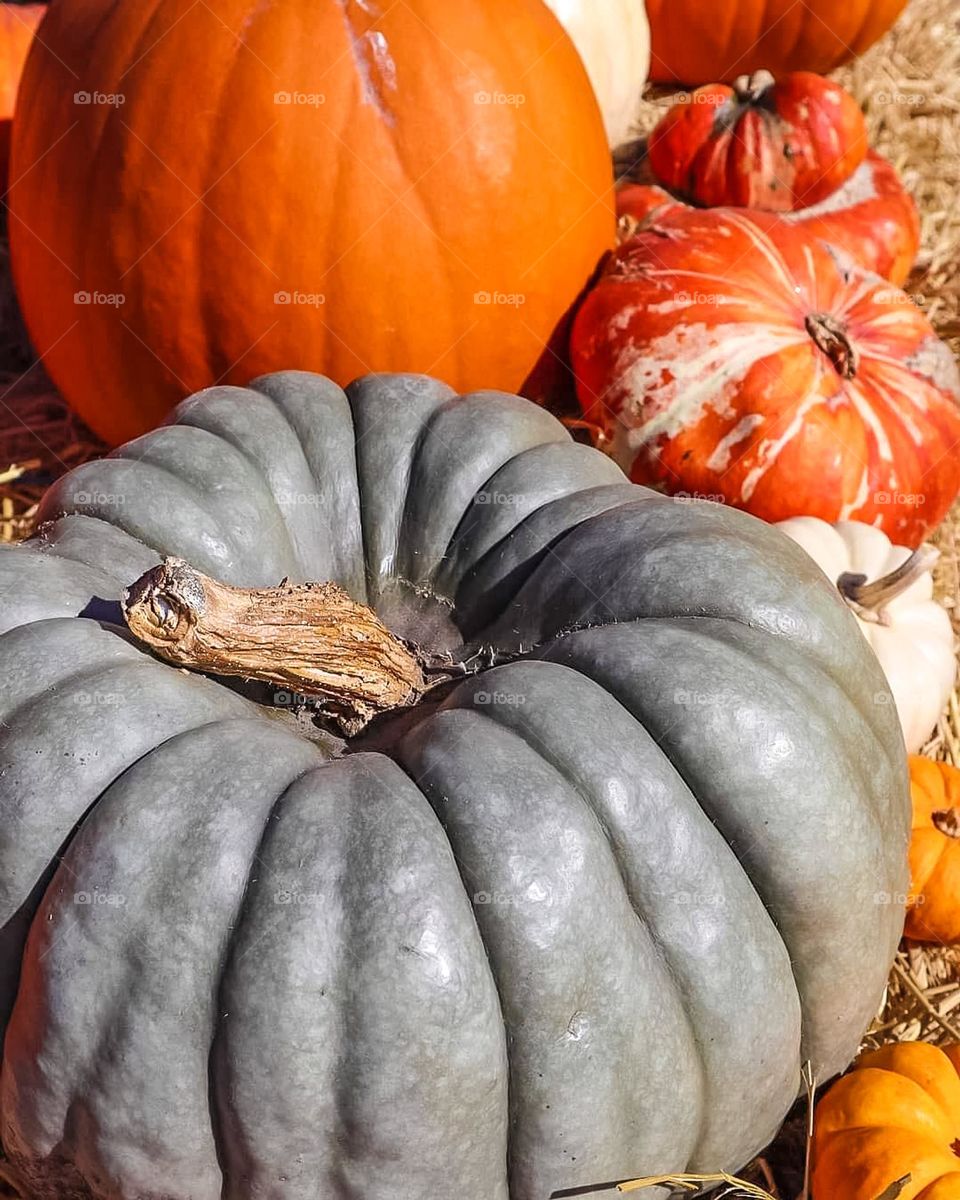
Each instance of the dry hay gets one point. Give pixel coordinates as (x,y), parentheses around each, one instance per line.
(909,86)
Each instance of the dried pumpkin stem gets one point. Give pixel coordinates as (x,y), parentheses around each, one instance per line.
(947,821)
(869,599)
(831,336)
(309,638)
(751,89)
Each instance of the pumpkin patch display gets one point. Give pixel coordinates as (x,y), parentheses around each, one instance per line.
(872,217)
(333,185)
(614,42)
(933,908)
(890,591)
(896,1115)
(570,909)
(692,44)
(736,357)
(777,145)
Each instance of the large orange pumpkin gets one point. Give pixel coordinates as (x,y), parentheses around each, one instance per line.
(896,1114)
(731,355)
(695,43)
(872,217)
(933,910)
(337,185)
(18,23)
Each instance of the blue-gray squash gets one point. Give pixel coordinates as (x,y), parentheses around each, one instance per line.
(579,916)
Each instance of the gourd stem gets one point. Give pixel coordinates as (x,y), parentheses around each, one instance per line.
(310,640)
(872,598)
(832,338)
(947,821)
(751,89)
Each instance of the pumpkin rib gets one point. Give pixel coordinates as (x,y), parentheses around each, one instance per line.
(70,583)
(706,611)
(124,554)
(931,860)
(939,890)
(320,501)
(680,996)
(24,1109)
(205,222)
(68,704)
(862,1096)
(857,1161)
(714,629)
(608,665)
(571,470)
(510,431)
(947,1187)
(217,554)
(650,1011)
(402,425)
(364,808)
(498,588)
(645,886)
(195,453)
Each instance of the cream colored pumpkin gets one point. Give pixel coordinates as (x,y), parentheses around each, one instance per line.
(613,37)
(891,592)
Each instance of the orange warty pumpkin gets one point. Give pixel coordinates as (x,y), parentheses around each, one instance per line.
(896,1114)
(337,186)
(18,23)
(873,217)
(692,43)
(733,356)
(776,145)
(933,910)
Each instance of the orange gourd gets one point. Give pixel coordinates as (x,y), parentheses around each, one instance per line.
(778,145)
(933,911)
(336,186)
(896,1114)
(726,353)
(872,217)
(692,43)
(18,23)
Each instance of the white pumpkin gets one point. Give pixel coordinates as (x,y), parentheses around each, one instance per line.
(613,37)
(890,590)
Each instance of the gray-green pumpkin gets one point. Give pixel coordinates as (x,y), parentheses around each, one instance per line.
(582,917)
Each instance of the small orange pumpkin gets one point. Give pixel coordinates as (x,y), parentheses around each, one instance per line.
(896,1114)
(778,145)
(933,912)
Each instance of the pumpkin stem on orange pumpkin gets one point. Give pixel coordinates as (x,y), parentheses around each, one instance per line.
(751,89)
(947,821)
(830,335)
(869,600)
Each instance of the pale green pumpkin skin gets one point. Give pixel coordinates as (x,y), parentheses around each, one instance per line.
(583,916)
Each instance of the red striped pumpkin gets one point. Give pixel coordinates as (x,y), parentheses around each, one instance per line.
(731,355)
(779,145)
(873,217)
